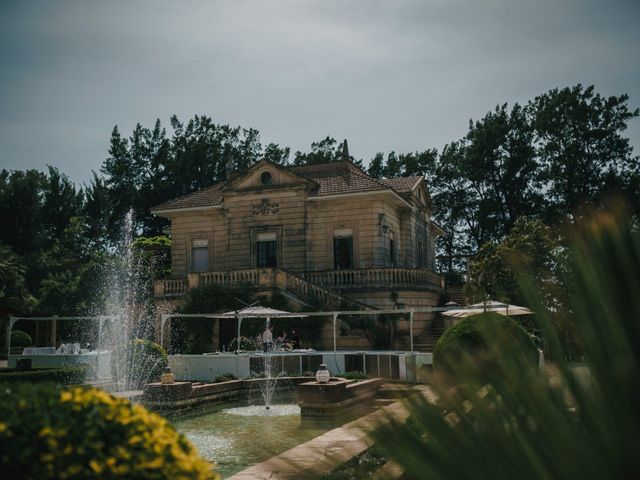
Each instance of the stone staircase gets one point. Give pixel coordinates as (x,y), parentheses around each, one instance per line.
(455,293)
(292,285)
(426,341)
(311,292)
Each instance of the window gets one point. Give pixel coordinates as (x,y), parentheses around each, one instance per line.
(342,249)
(421,260)
(392,250)
(266,178)
(266,250)
(200,255)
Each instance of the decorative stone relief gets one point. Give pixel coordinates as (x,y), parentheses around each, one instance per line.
(265,208)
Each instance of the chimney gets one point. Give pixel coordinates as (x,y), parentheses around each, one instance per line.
(345,151)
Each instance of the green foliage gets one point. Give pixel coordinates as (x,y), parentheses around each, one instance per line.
(14,295)
(404,164)
(225,377)
(546,160)
(582,154)
(355,375)
(472,336)
(533,247)
(247,344)
(511,421)
(155,253)
(20,339)
(326,150)
(530,246)
(147,361)
(380,330)
(194,335)
(361,467)
(63,376)
(47,432)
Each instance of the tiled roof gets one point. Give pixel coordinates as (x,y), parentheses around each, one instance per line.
(208,196)
(402,184)
(342,181)
(333,178)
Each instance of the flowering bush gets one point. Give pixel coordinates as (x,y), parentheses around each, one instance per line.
(47,432)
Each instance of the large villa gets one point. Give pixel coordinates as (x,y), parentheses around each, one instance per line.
(323,235)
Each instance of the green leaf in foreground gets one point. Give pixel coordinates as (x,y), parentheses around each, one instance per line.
(570,421)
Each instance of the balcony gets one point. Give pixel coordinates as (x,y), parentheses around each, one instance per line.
(377,278)
(318,285)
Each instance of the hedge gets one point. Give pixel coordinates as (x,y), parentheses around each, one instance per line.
(21,339)
(48,432)
(478,338)
(63,375)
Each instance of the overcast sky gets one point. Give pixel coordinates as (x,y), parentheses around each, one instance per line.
(393,75)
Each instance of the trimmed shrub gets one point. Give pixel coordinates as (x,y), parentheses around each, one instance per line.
(479,337)
(225,377)
(145,362)
(63,376)
(20,339)
(355,375)
(51,433)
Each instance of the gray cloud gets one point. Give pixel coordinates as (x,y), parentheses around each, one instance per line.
(392,75)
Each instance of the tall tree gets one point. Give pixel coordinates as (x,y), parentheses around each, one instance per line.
(325,150)
(583,155)
(277,154)
(501,170)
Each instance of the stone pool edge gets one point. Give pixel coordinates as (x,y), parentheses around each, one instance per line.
(326,452)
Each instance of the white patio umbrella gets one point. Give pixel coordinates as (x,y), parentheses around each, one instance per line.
(256,311)
(488,306)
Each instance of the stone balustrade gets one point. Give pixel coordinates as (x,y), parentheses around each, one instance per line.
(319,286)
(170,287)
(363,278)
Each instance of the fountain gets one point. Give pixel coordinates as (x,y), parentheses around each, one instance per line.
(130,309)
(268,385)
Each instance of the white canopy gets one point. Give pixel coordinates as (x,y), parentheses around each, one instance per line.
(258,311)
(488,306)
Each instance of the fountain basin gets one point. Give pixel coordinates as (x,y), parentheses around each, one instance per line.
(337,397)
(237,437)
(406,367)
(183,395)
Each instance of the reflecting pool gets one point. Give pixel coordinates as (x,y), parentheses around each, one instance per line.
(235,438)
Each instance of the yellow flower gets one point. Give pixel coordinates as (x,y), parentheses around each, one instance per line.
(95,466)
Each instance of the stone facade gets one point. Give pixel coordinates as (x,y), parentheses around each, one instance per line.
(326,231)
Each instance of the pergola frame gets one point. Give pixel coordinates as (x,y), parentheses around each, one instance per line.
(240,316)
(13,320)
(334,314)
